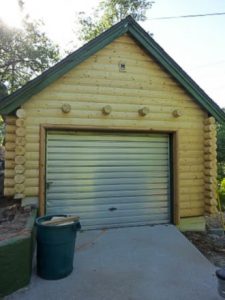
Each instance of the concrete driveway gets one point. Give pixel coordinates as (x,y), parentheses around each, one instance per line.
(139,263)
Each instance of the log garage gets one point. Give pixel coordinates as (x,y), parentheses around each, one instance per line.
(116,133)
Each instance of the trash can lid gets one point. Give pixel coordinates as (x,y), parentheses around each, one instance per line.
(221,273)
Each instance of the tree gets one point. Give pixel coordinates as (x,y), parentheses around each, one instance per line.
(110,12)
(24,53)
(221,150)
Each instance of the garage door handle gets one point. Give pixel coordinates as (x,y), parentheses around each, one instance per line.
(112,208)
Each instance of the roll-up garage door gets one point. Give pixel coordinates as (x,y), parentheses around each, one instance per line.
(108,179)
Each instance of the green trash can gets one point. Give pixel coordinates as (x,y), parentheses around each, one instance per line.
(55,248)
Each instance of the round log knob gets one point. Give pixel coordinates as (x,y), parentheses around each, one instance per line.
(177,113)
(107,110)
(66,108)
(143,111)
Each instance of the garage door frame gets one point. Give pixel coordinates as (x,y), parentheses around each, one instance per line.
(174,201)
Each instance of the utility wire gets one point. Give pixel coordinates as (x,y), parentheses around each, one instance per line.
(188,16)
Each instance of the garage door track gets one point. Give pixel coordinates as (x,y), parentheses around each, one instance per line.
(136,263)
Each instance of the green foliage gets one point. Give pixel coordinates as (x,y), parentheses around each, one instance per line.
(110,12)
(24,53)
(221,192)
(221,150)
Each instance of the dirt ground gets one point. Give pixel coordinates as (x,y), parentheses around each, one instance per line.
(211,246)
(13,219)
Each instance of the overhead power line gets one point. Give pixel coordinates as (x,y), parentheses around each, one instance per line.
(189,16)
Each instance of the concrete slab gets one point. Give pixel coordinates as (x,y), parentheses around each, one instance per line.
(138,263)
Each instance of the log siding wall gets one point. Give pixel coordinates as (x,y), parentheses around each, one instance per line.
(98,82)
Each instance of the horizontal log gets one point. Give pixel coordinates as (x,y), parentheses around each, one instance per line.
(9,164)
(32,182)
(192,197)
(191,204)
(210,135)
(32,173)
(210,150)
(9,137)
(210,128)
(191,212)
(21,113)
(9,173)
(20,122)
(19,169)
(211,142)
(210,157)
(8,191)
(210,186)
(20,150)
(210,194)
(210,202)
(19,178)
(31,191)
(21,132)
(19,188)
(9,146)
(10,120)
(210,209)
(32,156)
(20,141)
(210,120)
(10,128)
(9,182)
(20,160)
(94,102)
(210,179)
(10,155)
(210,164)
(32,164)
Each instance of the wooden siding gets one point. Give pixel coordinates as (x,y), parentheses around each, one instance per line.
(98,82)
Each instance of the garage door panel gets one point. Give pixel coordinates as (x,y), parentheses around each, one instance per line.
(106,194)
(118,171)
(90,223)
(56,199)
(67,180)
(89,173)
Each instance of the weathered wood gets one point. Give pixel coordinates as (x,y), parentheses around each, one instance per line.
(9,173)
(9,182)
(209,121)
(20,141)
(20,122)
(10,128)
(10,155)
(9,137)
(10,146)
(10,120)
(8,191)
(20,160)
(20,150)
(19,188)
(20,132)
(21,113)
(31,191)
(19,178)
(9,164)
(19,169)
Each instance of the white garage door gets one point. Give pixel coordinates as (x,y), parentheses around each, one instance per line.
(108,179)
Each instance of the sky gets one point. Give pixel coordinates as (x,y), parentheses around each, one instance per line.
(196,44)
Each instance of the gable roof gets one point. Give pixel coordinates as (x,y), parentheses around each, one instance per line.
(128,25)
